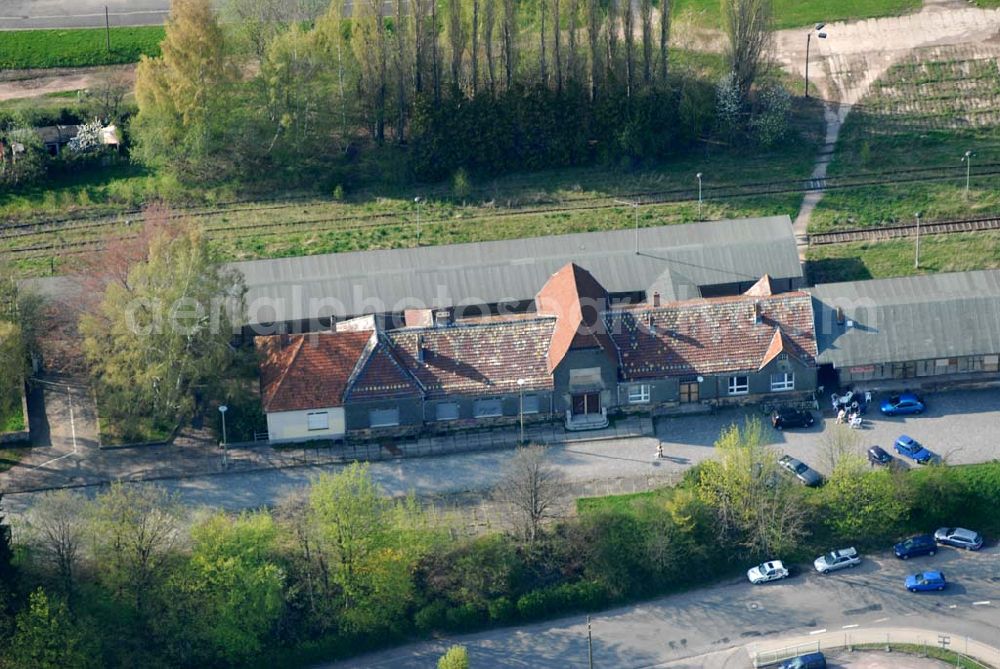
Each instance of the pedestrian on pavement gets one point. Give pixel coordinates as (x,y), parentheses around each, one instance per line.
(659,451)
(841,414)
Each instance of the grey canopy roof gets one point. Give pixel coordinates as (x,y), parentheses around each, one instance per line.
(908,318)
(381,281)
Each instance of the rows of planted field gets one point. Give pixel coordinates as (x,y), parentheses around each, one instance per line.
(924,113)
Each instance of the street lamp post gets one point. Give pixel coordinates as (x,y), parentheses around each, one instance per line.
(520,411)
(222,410)
(916,259)
(699,194)
(967,159)
(821,35)
(417,200)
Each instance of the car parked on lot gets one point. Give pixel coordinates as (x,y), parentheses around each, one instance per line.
(789,417)
(913,449)
(928,580)
(768,571)
(802,471)
(902,404)
(808,661)
(923,544)
(839,559)
(959,537)
(878,456)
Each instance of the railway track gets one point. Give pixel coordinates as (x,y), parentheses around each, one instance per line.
(886,232)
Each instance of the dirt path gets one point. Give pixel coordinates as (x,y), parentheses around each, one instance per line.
(845,64)
(16,84)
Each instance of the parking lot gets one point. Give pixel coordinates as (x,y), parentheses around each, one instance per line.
(960,426)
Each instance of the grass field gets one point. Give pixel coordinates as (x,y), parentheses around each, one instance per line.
(924,113)
(876,260)
(11,420)
(795,13)
(77,47)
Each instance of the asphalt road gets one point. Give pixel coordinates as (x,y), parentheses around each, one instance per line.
(25,14)
(717,626)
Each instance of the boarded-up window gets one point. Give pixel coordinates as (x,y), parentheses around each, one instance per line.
(318,420)
(488,408)
(447,411)
(383,417)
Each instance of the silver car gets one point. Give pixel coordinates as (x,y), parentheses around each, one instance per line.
(959,537)
(845,557)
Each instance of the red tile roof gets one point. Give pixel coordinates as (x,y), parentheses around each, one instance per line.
(712,336)
(308,371)
(382,376)
(476,359)
(577,300)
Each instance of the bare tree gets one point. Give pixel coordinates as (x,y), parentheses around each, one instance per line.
(646,13)
(510,40)
(456,37)
(664,39)
(489,23)
(419,18)
(57,532)
(105,97)
(594,39)
(402,67)
(611,41)
(748,28)
(571,47)
(837,444)
(475,47)
(628,19)
(542,69)
(557,44)
(530,486)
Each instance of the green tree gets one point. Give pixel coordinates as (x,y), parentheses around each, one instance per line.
(457,657)
(165,330)
(134,529)
(371,546)
(748,26)
(232,587)
(757,507)
(185,96)
(57,532)
(13,365)
(863,505)
(46,637)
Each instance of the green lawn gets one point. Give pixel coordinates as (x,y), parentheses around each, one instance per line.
(796,13)
(78,47)
(11,418)
(924,113)
(940,253)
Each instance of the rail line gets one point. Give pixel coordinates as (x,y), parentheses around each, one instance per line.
(348,223)
(886,232)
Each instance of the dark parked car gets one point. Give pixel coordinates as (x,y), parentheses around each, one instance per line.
(802,471)
(912,448)
(788,417)
(807,661)
(905,403)
(959,537)
(923,544)
(878,456)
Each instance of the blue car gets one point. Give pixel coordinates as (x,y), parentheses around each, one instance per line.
(928,580)
(914,546)
(899,405)
(912,449)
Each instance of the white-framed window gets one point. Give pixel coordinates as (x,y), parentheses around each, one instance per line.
(530,404)
(487,408)
(383,417)
(318,420)
(638,393)
(739,385)
(446,411)
(782,381)
(991,363)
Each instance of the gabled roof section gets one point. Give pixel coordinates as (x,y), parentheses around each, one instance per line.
(382,376)
(779,344)
(577,300)
(476,359)
(724,335)
(308,371)
(762,288)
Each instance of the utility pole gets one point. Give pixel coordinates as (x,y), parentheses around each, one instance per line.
(699,194)
(967,159)
(590,646)
(916,260)
(107,27)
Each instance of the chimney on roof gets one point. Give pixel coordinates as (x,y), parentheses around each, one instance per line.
(840,315)
(282,340)
(443,317)
(420,348)
(656,298)
(650,323)
(756,313)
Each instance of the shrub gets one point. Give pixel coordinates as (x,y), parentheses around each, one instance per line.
(562,598)
(431,617)
(464,617)
(501,610)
